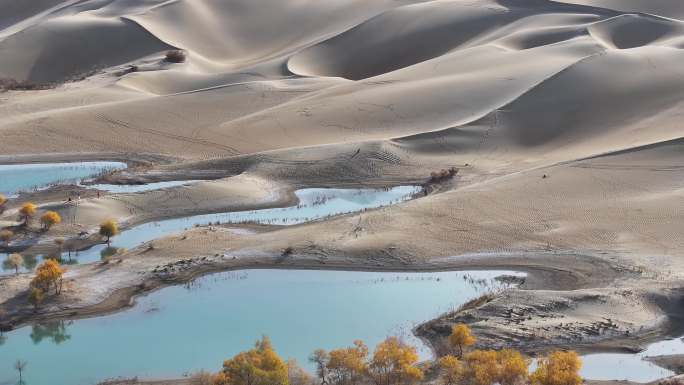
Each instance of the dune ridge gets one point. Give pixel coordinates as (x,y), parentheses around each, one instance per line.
(503,86)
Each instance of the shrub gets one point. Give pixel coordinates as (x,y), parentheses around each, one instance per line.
(35,297)
(50,219)
(442,175)
(27,211)
(175,56)
(109,229)
(6,236)
(558,368)
(451,370)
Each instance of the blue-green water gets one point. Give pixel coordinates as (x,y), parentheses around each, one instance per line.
(314,203)
(632,367)
(28,177)
(180,329)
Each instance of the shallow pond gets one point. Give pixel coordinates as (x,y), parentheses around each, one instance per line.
(314,203)
(29,177)
(181,329)
(633,367)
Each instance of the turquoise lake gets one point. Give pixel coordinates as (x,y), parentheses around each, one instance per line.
(314,203)
(180,329)
(233,309)
(29,177)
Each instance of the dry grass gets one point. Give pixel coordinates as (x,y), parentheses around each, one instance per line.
(15,85)
(476,302)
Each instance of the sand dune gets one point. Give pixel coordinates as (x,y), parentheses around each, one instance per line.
(666,8)
(375,71)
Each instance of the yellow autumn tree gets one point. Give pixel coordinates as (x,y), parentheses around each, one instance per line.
(514,368)
(348,365)
(258,366)
(109,229)
(219,379)
(6,236)
(3,202)
(15,261)
(558,368)
(451,370)
(27,211)
(296,375)
(488,367)
(460,338)
(481,367)
(49,219)
(35,297)
(320,359)
(48,274)
(393,362)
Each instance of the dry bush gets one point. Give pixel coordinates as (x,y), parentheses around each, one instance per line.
(15,85)
(476,302)
(443,174)
(175,56)
(202,377)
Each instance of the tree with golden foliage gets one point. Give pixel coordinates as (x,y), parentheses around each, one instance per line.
(320,358)
(3,202)
(487,367)
(393,362)
(109,229)
(48,274)
(6,236)
(558,368)
(258,366)
(27,211)
(348,365)
(451,370)
(35,297)
(49,219)
(296,375)
(460,338)
(481,367)
(514,368)
(15,261)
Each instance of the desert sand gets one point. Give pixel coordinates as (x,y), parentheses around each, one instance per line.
(563,118)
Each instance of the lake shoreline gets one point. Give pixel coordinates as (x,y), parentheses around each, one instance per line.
(573,276)
(551,277)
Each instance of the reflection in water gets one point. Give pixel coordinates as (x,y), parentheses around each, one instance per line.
(56,331)
(30,262)
(223,313)
(109,252)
